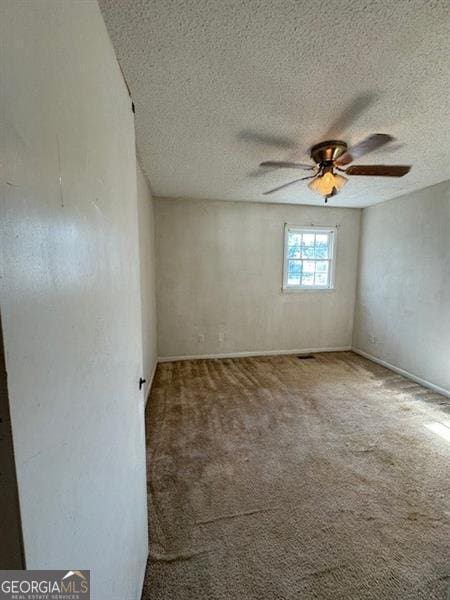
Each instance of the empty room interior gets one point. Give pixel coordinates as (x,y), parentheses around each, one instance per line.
(225,299)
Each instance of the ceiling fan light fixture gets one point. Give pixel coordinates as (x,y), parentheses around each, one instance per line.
(324,184)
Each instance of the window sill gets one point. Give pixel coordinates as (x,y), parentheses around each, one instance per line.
(291,290)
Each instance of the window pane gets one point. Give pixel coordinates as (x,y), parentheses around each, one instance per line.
(295,239)
(321,279)
(308,245)
(293,251)
(294,244)
(308,272)
(321,266)
(322,245)
(321,274)
(294,272)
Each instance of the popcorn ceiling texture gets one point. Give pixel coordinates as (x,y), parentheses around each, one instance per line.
(283,479)
(214,82)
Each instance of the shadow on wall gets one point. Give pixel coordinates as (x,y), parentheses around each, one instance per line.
(11,548)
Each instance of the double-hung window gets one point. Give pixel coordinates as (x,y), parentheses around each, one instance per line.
(309,258)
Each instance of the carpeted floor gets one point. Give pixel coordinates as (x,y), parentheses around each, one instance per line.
(280,478)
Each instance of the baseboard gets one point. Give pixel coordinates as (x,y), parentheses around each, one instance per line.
(252,353)
(383,363)
(150,383)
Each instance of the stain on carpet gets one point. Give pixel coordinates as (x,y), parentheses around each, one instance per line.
(278,478)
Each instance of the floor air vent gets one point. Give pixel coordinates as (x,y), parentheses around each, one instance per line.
(305,356)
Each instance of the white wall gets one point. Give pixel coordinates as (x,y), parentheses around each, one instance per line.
(148,279)
(219,271)
(70,295)
(403,303)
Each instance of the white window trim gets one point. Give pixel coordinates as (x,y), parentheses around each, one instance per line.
(295,289)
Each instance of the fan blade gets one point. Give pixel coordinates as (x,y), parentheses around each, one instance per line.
(280,187)
(286,165)
(349,115)
(379,170)
(334,192)
(368,145)
(266,139)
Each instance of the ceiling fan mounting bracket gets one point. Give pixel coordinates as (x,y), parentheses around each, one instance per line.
(327,152)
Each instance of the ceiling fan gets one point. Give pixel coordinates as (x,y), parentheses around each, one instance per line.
(330,156)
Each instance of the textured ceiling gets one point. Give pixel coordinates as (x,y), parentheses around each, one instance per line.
(221,85)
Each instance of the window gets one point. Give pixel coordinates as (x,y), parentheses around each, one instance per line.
(309,258)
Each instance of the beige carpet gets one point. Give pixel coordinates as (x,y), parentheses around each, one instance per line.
(279,478)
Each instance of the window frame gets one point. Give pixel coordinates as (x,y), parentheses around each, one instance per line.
(288,227)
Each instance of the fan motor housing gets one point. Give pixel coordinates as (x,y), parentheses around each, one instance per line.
(328,151)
